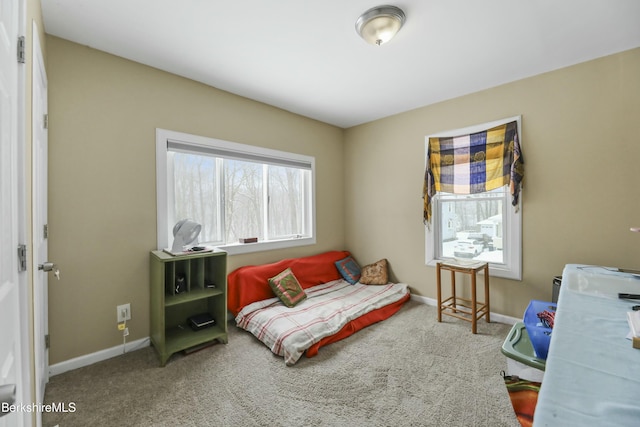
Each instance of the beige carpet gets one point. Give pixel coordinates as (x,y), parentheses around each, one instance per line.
(409,370)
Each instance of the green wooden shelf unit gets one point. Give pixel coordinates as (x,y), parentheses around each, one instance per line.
(204,291)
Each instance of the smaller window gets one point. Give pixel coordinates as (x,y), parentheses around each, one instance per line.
(479,227)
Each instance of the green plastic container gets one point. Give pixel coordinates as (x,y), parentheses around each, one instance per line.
(517,346)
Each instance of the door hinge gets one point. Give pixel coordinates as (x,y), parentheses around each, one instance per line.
(22,257)
(45,231)
(45,121)
(21,50)
(47,341)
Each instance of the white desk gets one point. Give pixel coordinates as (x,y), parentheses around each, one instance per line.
(592,374)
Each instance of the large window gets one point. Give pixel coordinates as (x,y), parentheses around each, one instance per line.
(476,227)
(234,191)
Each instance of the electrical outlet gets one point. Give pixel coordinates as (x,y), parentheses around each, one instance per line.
(124,312)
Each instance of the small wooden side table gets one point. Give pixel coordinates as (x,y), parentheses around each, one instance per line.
(462,308)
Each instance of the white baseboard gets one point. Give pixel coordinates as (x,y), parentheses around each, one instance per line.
(495,317)
(108,353)
(98,356)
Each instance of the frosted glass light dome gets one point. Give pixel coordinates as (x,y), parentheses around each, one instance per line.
(380,24)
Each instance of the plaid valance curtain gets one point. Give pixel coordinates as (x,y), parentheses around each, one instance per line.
(474,163)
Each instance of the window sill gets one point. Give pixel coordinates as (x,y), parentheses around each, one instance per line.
(245,248)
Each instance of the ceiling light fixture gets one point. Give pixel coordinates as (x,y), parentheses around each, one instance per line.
(380,24)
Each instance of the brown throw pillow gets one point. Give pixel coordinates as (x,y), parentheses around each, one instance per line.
(375,274)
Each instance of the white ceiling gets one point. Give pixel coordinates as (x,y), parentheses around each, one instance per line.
(304,56)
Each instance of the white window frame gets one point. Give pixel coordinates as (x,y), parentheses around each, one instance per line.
(164,235)
(512,221)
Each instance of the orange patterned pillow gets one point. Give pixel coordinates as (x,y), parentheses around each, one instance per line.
(287,288)
(375,274)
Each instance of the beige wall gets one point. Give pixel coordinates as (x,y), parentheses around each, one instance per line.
(102,212)
(579,141)
(581,147)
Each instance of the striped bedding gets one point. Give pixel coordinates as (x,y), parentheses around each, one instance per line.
(289,332)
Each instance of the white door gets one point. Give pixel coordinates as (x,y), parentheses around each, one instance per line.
(40,277)
(11,346)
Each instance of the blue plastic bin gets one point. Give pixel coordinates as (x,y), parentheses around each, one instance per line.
(539,333)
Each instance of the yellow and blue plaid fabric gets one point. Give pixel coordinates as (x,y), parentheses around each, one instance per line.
(474,163)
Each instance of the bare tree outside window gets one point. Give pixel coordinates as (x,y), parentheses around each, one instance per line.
(247,187)
(196,193)
(235,191)
(285,202)
(243,184)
